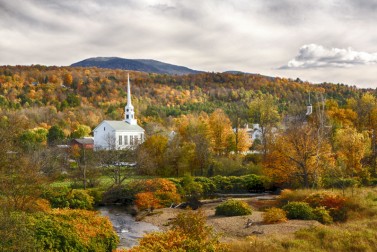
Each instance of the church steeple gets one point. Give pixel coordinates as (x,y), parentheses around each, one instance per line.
(129,113)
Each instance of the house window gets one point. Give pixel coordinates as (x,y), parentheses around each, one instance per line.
(131,140)
(136,140)
(125,140)
(104,128)
(120,140)
(127,116)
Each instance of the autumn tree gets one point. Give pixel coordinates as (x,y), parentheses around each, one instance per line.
(238,114)
(33,139)
(179,156)
(67,79)
(297,155)
(351,147)
(150,155)
(264,111)
(81,131)
(243,141)
(55,135)
(116,164)
(85,170)
(366,108)
(340,117)
(194,131)
(221,133)
(20,178)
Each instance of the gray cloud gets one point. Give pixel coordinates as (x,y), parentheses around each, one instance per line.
(317,56)
(212,35)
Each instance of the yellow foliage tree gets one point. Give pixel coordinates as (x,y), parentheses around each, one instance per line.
(243,140)
(220,131)
(342,117)
(351,147)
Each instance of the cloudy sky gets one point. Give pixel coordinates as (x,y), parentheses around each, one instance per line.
(322,40)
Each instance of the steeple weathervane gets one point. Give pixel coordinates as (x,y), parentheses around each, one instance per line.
(129,112)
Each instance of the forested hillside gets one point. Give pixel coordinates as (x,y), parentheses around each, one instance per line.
(68,96)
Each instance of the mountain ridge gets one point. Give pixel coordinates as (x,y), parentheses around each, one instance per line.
(142,65)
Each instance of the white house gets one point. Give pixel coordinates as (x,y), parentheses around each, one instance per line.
(117,135)
(254,132)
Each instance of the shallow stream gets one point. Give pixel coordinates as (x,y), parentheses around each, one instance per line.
(128,230)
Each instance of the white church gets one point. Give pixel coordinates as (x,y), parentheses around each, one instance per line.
(118,135)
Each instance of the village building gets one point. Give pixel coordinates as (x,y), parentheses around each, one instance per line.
(83,143)
(118,135)
(254,132)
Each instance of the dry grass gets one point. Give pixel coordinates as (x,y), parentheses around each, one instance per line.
(358,234)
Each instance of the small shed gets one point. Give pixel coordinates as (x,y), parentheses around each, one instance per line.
(84,143)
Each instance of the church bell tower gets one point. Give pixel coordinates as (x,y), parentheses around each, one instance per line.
(129,113)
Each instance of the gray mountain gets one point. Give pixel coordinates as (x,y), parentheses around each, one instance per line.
(142,65)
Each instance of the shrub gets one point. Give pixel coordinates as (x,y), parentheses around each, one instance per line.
(208,185)
(171,240)
(288,195)
(189,232)
(298,210)
(331,182)
(69,198)
(274,215)
(242,184)
(322,215)
(373,182)
(159,184)
(73,230)
(163,189)
(16,232)
(193,192)
(255,183)
(333,203)
(57,196)
(147,201)
(41,205)
(233,208)
(339,214)
(79,199)
(97,195)
(223,184)
(325,199)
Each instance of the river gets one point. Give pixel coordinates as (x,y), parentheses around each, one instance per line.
(128,230)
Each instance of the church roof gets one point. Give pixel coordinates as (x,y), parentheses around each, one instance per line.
(122,126)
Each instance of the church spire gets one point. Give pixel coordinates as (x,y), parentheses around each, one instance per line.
(129,112)
(128,90)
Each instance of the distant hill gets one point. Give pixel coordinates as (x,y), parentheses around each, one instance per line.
(142,65)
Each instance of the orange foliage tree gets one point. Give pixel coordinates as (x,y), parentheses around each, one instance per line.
(156,193)
(147,201)
(298,156)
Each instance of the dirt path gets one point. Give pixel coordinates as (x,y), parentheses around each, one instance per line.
(234,227)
